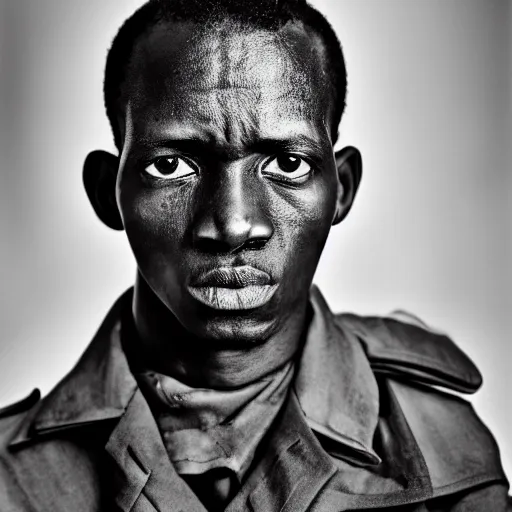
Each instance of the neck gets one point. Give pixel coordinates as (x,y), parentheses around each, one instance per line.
(165,346)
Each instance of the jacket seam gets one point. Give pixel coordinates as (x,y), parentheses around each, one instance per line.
(404,359)
(466,483)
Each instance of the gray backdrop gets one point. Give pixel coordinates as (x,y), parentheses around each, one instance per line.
(429,106)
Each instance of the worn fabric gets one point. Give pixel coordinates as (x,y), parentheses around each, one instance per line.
(206,429)
(361,429)
(210,435)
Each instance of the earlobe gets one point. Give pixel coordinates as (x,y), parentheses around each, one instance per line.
(99,176)
(349,166)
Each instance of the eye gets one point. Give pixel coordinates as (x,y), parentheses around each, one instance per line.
(287,167)
(170,168)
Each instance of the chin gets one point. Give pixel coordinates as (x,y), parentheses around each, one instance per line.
(235,330)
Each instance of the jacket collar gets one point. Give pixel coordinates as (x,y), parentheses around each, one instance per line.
(99,387)
(334,384)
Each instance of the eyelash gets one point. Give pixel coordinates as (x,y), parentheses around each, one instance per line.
(197,167)
(152,161)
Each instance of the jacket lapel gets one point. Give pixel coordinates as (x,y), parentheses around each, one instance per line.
(145,479)
(401,479)
(294,469)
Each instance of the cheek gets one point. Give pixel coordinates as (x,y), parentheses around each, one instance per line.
(305,217)
(155,220)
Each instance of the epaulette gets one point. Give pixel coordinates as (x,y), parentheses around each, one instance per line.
(408,349)
(22,405)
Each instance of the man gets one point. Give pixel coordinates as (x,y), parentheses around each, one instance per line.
(222,381)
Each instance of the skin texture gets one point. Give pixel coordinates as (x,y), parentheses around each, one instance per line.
(227,162)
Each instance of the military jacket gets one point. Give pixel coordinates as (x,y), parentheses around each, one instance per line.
(373,421)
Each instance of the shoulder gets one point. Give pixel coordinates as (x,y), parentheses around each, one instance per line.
(424,370)
(403,346)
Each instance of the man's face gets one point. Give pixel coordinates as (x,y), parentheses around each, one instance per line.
(227,184)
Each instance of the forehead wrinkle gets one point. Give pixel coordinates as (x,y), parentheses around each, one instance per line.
(234,53)
(240,131)
(230,113)
(293,132)
(231,57)
(234,120)
(222,82)
(221,59)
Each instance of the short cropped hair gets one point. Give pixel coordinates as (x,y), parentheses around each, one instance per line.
(268,15)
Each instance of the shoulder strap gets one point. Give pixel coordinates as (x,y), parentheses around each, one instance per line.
(406,348)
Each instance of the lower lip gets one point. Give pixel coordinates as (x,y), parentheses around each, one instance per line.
(233,299)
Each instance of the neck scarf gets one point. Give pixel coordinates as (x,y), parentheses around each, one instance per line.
(205,429)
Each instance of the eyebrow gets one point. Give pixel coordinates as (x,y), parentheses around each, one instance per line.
(187,143)
(207,145)
(295,142)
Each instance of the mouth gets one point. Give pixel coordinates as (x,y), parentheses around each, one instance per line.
(233,288)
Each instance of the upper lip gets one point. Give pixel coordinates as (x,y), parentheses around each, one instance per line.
(232,277)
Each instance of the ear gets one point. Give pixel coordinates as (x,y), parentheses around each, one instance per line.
(100,175)
(350,169)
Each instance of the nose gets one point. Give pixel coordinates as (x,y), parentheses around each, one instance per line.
(231,217)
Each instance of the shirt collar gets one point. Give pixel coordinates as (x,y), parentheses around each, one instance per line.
(334,384)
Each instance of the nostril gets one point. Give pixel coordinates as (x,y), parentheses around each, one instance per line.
(212,246)
(254,244)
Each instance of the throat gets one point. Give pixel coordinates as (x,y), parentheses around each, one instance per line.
(155,340)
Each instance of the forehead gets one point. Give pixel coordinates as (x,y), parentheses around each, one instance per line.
(228,78)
